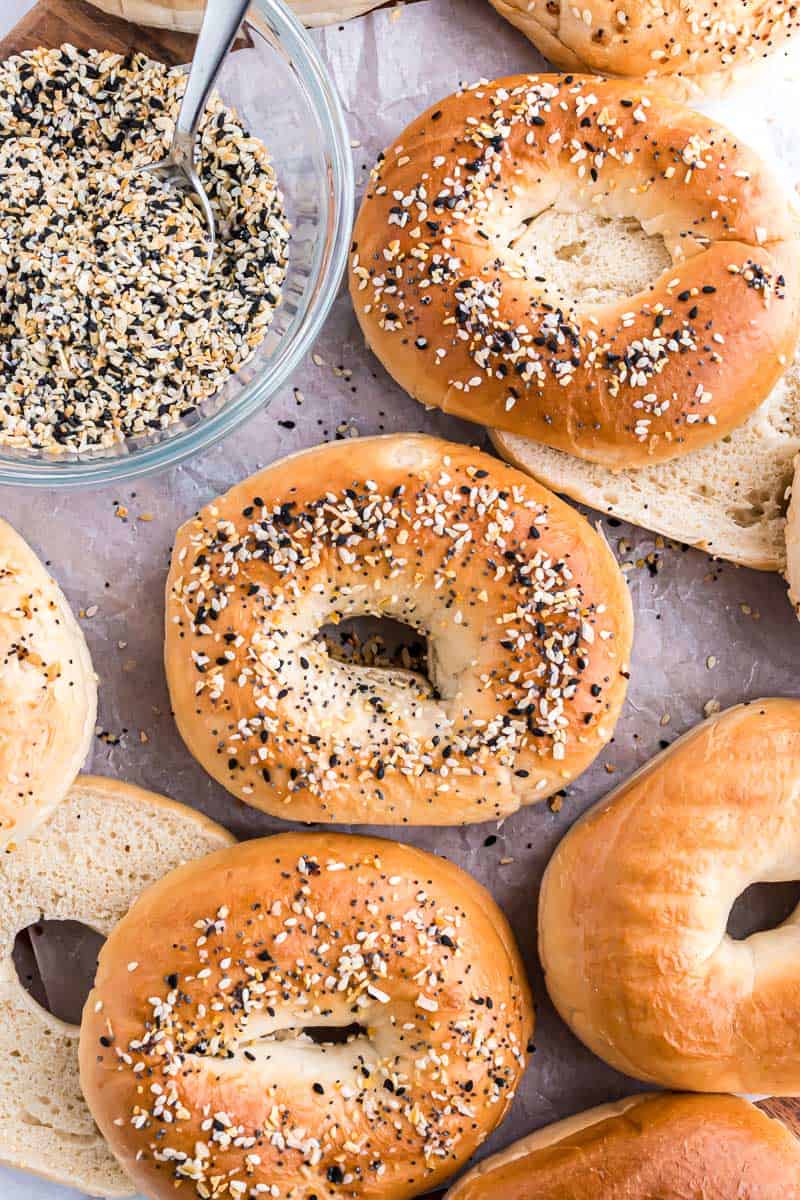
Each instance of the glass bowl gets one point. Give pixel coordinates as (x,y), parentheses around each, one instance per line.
(281,89)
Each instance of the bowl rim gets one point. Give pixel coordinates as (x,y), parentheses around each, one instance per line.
(63,473)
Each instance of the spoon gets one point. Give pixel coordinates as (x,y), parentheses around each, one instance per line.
(221,22)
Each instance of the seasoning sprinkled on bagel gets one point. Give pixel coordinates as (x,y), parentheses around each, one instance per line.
(526,613)
(446,284)
(305,1015)
(658,1145)
(689,46)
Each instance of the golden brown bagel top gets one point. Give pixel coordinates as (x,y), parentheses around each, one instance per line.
(193,1057)
(651,1147)
(688,45)
(453,312)
(635,902)
(527,615)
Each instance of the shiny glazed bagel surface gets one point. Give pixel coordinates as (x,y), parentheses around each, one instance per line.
(526,613)
(446,286)
(196,1056)
(635,902)
(646,1147)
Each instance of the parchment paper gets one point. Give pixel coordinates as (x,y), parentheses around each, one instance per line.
(705,631)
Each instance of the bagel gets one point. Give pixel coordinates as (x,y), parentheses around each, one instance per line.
(48,691)
(195,1059)
(635,902)
(644,1147)
(728,499)
(87,863)
(463,279)
(527,615)
(186,15)
(792,570)
(690,47)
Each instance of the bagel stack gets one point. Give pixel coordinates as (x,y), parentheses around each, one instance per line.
(209,1054)
(526,612)
(451,301)
(565,259)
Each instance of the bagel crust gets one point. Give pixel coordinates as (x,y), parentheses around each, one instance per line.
(635,902)
(692,1147)
(690,46)
(449,298)
(48,692)
(99,848)
(527,615)
(194,1059)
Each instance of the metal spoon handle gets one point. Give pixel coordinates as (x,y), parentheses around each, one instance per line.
(221,21)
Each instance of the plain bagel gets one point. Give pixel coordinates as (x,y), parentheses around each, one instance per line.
(48,691)
(186,15)
(102,845)
(527,616)
(635,903)
(689,46)
(644,1147)
(448,284)
(208,1050)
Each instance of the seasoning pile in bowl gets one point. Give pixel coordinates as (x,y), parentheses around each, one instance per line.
(111,325)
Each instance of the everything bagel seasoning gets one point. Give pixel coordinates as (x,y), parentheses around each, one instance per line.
(110,326)
(524,615)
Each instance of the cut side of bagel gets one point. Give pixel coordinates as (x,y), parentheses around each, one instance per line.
(728,499)
(185,16)
(103,845)
(792,571)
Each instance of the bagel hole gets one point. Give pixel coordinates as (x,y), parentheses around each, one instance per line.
(585,258)
(379,642)
(761,907)
(320,1035)
(334,1035)
(56,963)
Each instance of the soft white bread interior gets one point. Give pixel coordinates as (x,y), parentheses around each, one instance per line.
(728,498)
(185,16)
(665,1145)
(100,848)
(48,691)
(792,571)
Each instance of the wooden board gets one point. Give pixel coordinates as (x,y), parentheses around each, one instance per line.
(52,22)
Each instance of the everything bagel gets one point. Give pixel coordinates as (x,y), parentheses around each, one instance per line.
(689,46)
(207,1052)
(461,280)
(527,616)
(635,902)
